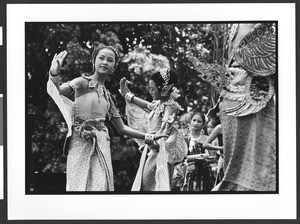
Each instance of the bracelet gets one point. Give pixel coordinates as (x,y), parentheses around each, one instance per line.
(53,75)
(55,78)
(129,96)
(72,86)
(149,106)
(149,138)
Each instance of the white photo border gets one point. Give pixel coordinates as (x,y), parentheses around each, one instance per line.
(123,207)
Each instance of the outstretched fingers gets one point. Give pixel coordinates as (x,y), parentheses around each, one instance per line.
(122,81)
(61,56)
(122,86)
(64,55)
(57,62)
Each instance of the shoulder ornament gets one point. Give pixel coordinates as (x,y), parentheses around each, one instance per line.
(256,52)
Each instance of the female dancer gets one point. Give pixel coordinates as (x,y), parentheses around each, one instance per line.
(89,165)
(156,164)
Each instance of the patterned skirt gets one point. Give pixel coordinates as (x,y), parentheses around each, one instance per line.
(89,164)
(156,167)
(249,151)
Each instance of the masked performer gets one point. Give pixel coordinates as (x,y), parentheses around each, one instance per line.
(247,107)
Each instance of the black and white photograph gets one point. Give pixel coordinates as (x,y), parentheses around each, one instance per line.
(151,106)
(147,107)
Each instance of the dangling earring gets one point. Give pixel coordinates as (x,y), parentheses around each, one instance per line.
(112,71)
(93,68)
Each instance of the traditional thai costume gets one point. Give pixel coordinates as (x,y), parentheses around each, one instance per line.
(247,107)
(156,163)
(89,165)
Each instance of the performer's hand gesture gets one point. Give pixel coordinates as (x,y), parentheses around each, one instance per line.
(123,86)
(150,139)
(56,63)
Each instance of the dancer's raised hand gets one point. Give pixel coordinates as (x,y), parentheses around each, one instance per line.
(56,63)
(123,86)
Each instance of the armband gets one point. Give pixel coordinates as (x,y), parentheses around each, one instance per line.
(55,78)
(129,96)
(149,138)
(149,106)
(72,86)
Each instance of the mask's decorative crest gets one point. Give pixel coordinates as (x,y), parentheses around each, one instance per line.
(215,74)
